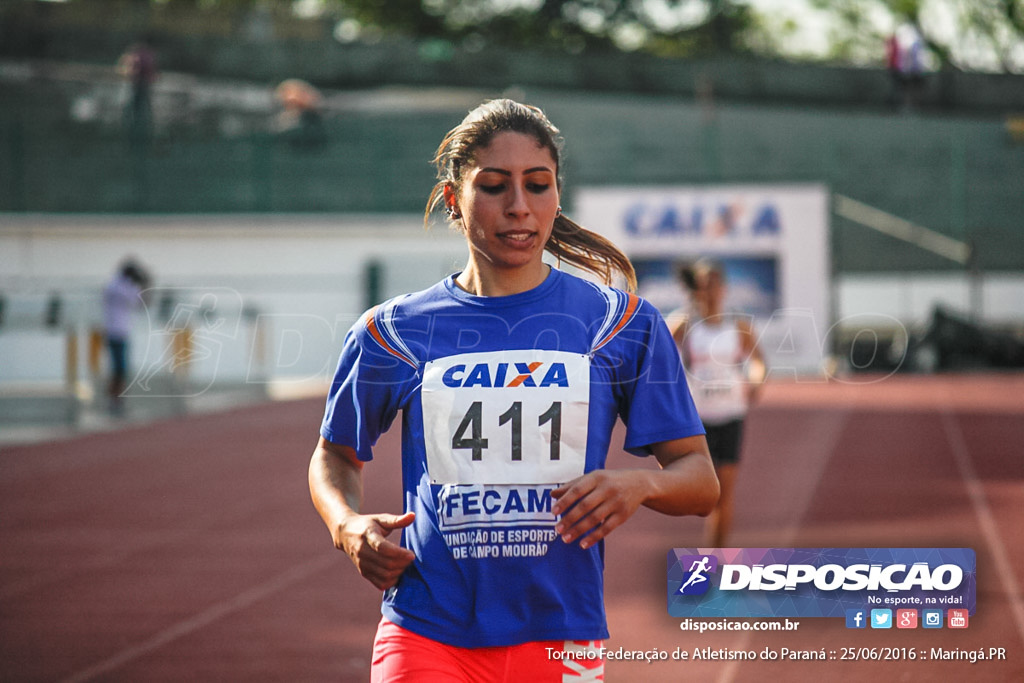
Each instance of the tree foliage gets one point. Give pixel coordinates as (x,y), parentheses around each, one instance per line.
(677,27)
(966,34)
(986,35)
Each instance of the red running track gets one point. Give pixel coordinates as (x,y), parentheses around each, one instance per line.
(188,549)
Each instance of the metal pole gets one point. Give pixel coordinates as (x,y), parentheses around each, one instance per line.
(373,277)
(71,360)
(975,285)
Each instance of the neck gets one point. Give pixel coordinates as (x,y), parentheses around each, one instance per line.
(501,281)
(709,312)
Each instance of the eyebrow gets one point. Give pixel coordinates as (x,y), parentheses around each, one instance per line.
(535,169)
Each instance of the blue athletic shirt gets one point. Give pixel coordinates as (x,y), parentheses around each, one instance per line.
(503,399)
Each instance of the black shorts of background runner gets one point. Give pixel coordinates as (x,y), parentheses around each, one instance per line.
(725,441)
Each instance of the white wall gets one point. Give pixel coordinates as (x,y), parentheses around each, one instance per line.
(911,298)
(305,277)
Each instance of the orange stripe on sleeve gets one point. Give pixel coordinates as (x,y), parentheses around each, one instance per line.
(371,327)
(627,315)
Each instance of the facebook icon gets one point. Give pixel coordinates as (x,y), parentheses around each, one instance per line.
(856,618)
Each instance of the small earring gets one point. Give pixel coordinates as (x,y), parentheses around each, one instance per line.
(558,212)
(453,213)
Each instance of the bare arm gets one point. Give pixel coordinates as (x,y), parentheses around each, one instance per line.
(757,370)
(677,325)
(336,486)
(596,503)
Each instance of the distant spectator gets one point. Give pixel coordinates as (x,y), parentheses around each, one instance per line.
(913,65)
(138,66)
(904,58)
(300,120)
(121,297)
(893,64)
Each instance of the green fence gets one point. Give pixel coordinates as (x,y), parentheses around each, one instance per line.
(963,177)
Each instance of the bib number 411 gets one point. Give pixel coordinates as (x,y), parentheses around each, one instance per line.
(473,423)
(506,430)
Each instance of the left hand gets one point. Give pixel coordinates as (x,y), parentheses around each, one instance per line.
(596,503)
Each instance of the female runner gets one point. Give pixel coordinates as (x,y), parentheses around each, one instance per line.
(510,376)
(727,369)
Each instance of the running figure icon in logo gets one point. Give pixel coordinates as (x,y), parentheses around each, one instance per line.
(696,581)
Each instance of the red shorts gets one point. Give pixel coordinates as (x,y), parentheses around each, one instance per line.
(401,656)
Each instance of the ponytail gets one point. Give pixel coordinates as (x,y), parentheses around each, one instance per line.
(589,251)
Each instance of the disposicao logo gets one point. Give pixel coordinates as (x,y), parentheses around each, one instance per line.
(806,582)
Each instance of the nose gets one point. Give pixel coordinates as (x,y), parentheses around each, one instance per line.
(517,205)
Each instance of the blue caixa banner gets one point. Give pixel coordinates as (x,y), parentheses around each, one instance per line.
(817,582)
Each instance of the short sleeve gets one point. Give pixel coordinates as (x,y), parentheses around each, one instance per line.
(657,405)
(366,393)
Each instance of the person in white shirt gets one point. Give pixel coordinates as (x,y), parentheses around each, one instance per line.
(122,296)
(725,370)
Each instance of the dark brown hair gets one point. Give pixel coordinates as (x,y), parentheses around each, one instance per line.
(693,274)
(569,241)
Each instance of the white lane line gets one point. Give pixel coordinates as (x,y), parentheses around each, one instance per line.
(987,522)
(204,618)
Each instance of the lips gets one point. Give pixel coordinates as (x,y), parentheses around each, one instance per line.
(517,237)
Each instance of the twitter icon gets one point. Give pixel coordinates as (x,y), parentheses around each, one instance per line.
(881,618)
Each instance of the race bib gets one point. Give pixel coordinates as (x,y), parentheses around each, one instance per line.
(718,387)
(507,417)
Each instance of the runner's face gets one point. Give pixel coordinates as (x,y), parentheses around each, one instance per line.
(508,201)
(710,294)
